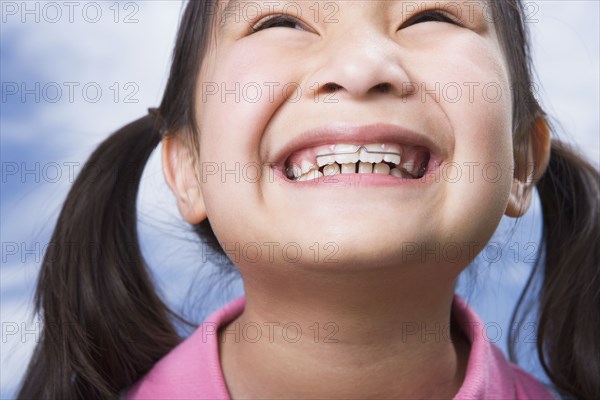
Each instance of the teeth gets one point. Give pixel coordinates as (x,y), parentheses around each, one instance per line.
(395,157)
(325,160)
(396,172)
(345,148)
(307,166)
(293,171)
(409,167)
(371,153)
(310,175)
(346,158)
(392,158)
(352,155)
(349,168)
(365,168)
(381,168)
(331,169)
(374,158)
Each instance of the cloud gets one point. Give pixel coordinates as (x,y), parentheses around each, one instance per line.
(566,55)
(36,132)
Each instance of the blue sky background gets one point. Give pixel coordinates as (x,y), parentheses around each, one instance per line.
(57,137)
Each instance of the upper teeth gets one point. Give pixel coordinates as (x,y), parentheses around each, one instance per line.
(343,158)
(351,153)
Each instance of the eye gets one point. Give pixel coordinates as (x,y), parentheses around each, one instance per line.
(278,21)
(430,16)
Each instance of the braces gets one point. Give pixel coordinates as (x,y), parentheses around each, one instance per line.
(422,169)
(357,150)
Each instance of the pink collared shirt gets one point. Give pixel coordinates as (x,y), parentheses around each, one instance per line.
(192,369)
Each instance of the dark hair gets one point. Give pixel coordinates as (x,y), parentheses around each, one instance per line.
(568,330)
(104,326)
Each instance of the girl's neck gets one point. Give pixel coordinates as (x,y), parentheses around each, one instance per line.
(344,335)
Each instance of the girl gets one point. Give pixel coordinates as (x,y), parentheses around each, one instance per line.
(315,140)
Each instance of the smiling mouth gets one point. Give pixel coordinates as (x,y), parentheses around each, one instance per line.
(400,161)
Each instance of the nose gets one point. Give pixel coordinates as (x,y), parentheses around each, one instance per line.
(361,63)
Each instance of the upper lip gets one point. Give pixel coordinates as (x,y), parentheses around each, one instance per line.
(365,134)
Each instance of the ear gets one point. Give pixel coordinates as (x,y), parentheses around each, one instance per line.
(530,168)
(179,172)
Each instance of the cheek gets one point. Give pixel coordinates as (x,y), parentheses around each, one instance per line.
(240,98)
(475,96)
(235,104)
(251,81)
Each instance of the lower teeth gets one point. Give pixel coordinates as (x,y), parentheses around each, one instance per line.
(336,169)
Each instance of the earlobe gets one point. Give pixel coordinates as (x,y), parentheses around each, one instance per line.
(534,165)
(178,169)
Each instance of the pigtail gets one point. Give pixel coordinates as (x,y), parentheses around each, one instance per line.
(104,325)
(569,320)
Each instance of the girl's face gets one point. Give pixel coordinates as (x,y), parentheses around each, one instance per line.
(428,83)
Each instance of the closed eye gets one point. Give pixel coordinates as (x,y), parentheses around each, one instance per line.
(278,21)
(430,16)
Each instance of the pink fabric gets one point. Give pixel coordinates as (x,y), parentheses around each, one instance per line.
(489,375)
(192,370)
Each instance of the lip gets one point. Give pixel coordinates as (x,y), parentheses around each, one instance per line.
(365,134)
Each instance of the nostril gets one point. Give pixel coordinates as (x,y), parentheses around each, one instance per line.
(383,87)
(331,87)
